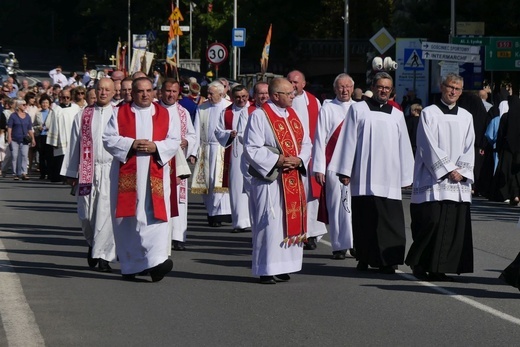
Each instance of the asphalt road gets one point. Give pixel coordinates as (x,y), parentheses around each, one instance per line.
(48,295)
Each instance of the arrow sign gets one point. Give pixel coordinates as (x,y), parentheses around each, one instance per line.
(455,57)
(449,48)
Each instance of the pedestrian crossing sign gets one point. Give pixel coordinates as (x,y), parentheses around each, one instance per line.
(412,59)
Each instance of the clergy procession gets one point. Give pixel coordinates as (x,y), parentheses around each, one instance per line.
(272,160)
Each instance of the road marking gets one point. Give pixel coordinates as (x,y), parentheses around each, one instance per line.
(17,317)
(461,298)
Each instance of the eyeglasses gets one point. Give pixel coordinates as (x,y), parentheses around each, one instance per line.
(384,88)
(286,93)
(453,89)
(82,93)
(64,97)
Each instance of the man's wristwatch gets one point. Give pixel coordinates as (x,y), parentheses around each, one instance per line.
(301,164)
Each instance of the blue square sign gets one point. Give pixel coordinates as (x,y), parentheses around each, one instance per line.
(239,37)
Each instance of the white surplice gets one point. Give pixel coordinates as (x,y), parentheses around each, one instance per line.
(94,210)
(60,126)
(374,150)
(179,224)
(142,241)
(271,256)
(332,114)
(446,143)
(314,227)
(212,154)
(238,198)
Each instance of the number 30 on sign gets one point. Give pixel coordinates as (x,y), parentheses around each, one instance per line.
(216,53)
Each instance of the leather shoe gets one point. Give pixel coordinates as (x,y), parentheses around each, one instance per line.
(419,273)
(439,277)
(215,224)
(104,266)
(311,244)
(178,246)
(91,261)
(158,272)
(282,278)
(352,252)
(387,270)
(128,277)
(362,266)
(339,255)
(238,230)
(267,280)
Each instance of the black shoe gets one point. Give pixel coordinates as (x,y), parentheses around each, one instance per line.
(439,277)
(339,255)
(267,280)
(178,246)
(128,277)
(352,252)
(91,261)
(238,230)
(419,273)
(362,266)
(311,244)
(215,224)
(387,270)
(282,278)
(104,266)
(158,272)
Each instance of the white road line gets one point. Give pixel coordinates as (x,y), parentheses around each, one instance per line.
(461,298)
(17,317)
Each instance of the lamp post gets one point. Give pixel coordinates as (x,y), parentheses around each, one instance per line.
(85,61)
(345,50)
(234,74)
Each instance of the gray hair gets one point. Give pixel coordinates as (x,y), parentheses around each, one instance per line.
(218,86)
(341,76)
(18,102)
(380,76)
(453,77)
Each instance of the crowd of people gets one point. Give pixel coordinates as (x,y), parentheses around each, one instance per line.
(274,160)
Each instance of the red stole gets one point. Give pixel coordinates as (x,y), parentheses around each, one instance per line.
(292,186)
(127,187)
(323,215)
(228,124)
(313,112)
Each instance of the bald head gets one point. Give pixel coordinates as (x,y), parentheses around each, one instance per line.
(117,75)
(104,91)
(297,79)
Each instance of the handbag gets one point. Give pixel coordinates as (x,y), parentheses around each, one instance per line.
(272,176)
(27,139)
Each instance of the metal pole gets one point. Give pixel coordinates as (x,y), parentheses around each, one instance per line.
(129,44)
(452,21)
(234,75)
(346,29)
(191,31)
(178,45)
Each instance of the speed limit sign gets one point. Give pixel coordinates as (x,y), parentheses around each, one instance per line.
(216,53)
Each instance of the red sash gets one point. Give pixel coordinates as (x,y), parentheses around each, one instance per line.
(313,111)
(127,187)
(323,214)
(228,124)
(292,185)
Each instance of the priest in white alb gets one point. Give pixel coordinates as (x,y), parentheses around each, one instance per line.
(307,107)
(208,176)
(229,133)
(170,90)
(143,138)
(335,200)
(374,157)
(88,167)
(278,150)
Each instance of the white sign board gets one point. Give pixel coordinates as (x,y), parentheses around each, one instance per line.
(455,57)
(165,28)
(449,48)
(412,72)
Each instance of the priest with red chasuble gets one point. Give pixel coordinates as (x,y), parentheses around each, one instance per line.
(143,138)
(278,149)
